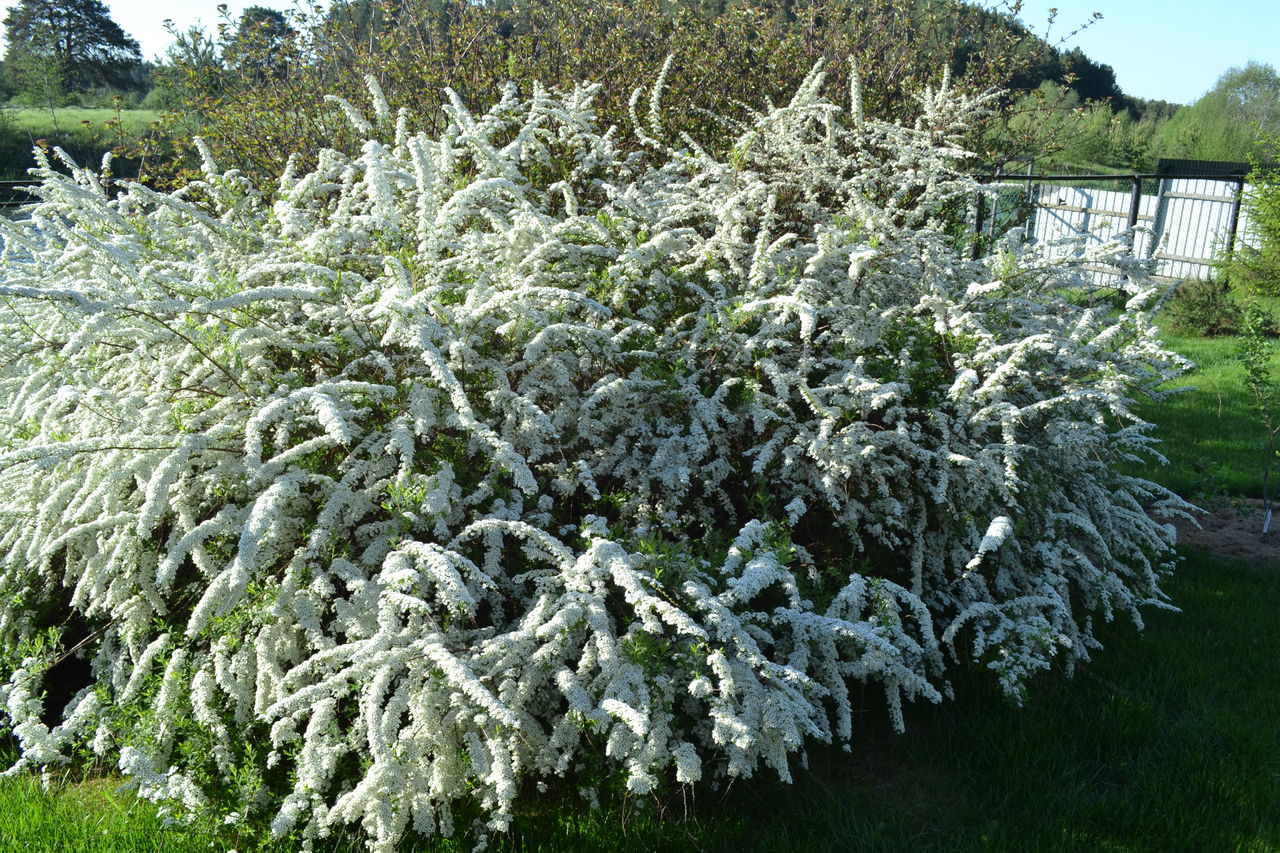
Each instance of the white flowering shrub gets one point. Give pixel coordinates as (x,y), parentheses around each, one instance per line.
(499,456)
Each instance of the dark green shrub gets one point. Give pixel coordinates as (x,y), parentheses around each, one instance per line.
(1201,307)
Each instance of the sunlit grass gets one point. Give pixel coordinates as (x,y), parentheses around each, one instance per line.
(40,122)
(78,814)
(1210,432)
(85,133)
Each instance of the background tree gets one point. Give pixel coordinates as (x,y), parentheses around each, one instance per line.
(1226,123)
(1092,81)
(259,47)
(1255,265)
(39,80)
(192,64)
(726,54)
(89,49)
(359,22)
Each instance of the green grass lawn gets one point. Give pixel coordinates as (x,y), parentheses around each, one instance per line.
(39,122)
(1210,432)
(84,133)
(83,816)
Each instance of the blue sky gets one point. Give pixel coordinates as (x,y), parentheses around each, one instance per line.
(1173,50)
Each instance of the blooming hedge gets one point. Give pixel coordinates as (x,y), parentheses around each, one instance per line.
(482,459)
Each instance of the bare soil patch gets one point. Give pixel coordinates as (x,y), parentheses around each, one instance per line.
(1234,530)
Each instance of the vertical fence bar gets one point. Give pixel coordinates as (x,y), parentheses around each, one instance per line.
(1233,224)
(1033,207)
(1158,218)
(978,215)
(1135,203)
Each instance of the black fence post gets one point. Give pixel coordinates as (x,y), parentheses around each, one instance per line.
(978,215)
(1135,202)
(1135,207)
(1234,224)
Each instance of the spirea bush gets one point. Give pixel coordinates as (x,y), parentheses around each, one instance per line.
(478,460)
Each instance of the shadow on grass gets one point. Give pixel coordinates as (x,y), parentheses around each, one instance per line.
(1169,740)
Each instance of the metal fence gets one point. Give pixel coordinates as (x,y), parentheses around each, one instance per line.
(14,194)
(1186,216)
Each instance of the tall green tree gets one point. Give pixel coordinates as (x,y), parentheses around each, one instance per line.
(78,37)
(1227,122)
(1091,80)
(259,47)
(192,64)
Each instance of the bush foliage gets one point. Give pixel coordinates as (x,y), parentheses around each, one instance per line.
(1201,307)
(1255,265)
(255,110)
(499,455)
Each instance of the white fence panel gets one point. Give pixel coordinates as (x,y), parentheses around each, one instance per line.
(1184,227)
(1070,220)
(1096,216)
(1195,223)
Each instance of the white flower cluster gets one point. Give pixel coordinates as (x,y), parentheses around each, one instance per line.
(473,460)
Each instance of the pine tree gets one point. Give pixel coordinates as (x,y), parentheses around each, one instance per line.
(77,36)
(258,48)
